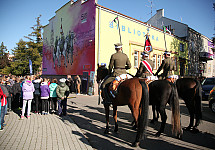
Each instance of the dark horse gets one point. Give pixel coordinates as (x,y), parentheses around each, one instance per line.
(162,92)
(189,90)
(134,93)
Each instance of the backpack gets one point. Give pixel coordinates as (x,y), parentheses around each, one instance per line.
(4,89)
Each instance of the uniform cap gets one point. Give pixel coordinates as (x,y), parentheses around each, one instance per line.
(166,52)
(145,54)
(62,80)
(118,45)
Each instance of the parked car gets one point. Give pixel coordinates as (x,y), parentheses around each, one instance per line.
(211,99)
(207,86)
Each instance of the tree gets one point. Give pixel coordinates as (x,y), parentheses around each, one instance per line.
(36,36)
(25,51)
(20,64)
(3,57)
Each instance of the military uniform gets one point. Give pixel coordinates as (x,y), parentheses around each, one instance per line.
(119,62)
(167,66)
(142,71)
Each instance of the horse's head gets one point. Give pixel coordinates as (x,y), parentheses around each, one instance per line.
(102,72)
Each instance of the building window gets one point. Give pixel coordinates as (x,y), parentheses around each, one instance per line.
(174,59)
(154,61)
(181,47)
(136,59)
(159,60)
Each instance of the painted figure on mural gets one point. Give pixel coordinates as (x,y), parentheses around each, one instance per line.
(63,49)
(119,63)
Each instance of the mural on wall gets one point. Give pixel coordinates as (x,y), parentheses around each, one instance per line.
(69,40)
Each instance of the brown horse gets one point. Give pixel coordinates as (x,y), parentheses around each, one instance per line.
(189,90)
(162,92)
(134,93)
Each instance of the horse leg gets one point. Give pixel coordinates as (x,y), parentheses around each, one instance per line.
(163,119)
(135,114)
(155,118)
(115,118)
(107,109)
(191,112)
(195,127)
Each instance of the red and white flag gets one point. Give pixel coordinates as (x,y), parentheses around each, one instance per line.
(148,46)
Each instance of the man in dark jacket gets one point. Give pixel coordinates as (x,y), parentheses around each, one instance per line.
(70,83)
(167,66)
(36,102)
(16,94)
(119,63)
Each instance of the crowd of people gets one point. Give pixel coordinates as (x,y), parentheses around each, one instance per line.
(36,94)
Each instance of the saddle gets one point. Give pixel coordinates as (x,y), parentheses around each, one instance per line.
(172,78)
(116,82)
(150,79)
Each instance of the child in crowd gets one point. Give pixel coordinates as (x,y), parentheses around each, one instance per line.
(62,93)
(28,90)
(45,91)
(10,94)
(36,83)
(53,95)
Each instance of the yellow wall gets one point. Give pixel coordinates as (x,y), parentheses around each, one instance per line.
(132,36)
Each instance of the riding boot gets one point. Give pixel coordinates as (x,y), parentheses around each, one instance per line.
(107,97)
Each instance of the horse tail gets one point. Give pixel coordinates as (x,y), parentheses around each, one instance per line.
(198,100)
(143,116)
(174,102)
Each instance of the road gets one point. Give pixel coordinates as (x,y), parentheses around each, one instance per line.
(89,116)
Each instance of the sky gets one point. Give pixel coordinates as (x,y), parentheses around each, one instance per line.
(18,16)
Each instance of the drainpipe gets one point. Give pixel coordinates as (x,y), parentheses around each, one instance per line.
(99,35)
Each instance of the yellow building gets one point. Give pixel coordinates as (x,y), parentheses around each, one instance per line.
(82,34)
(133,38)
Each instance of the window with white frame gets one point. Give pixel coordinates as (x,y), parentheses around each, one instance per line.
(174,59)
(159,60)
(154,59)
(136,59)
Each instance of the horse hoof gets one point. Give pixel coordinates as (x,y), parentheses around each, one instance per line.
(195,130)
(135,144)
(179,136)
(115,130)
(186,128)
(158,134)
(152,122)
(134,127)
(106,131)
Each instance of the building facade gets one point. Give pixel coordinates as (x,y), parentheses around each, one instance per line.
(200,55)
(82,34)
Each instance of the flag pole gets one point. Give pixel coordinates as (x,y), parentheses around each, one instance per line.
(164,31)
(119,30)
(165,40)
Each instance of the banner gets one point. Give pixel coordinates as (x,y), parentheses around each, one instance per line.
(30,66)
(148,46)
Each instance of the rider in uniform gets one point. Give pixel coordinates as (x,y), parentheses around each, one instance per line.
(119,63)
(146,66)
(167,66)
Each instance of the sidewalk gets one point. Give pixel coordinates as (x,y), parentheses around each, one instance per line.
(42,132)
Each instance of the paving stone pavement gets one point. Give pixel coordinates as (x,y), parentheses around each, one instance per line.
(40,132)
